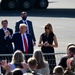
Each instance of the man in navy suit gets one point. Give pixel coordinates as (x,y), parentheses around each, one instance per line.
(18,40)
(5,38)
(29,26)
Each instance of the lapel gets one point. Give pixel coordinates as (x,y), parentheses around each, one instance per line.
(28,23)
(21,21)
(29,26)
(3,32)
(20,37)
(7,28)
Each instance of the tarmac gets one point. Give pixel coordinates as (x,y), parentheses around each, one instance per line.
(61,17)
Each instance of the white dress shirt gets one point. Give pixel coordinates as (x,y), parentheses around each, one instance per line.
(25,22)
(4,30)
(23,41)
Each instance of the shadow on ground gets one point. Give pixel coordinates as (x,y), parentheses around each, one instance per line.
(41,12)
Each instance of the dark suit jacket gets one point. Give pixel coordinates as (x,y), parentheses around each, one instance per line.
(29,26)
(18,45)
(5,44)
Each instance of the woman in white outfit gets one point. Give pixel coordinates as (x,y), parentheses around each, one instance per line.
(43,66)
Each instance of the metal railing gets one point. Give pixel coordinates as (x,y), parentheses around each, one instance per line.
(48,56)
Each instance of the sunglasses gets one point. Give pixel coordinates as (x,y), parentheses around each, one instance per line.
(46,28)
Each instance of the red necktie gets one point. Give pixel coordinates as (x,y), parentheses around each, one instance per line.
(25,44)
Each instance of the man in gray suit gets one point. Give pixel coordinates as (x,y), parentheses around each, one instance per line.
(29,26)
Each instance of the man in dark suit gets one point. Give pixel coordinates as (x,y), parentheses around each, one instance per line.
(19,42)
(29,26)
(5,38)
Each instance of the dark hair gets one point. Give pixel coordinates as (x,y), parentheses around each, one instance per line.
(23,12)
(70,45)
(71,48)
(68,72)
(32,61)
(17,71)
(58,70)
(4,20)
(9,73)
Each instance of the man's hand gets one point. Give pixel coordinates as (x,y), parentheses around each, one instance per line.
(7,33)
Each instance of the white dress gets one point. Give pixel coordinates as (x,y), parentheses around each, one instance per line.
(44,71)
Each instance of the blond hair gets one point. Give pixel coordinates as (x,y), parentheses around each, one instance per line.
(48,25)
(40,59)
(18,57)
